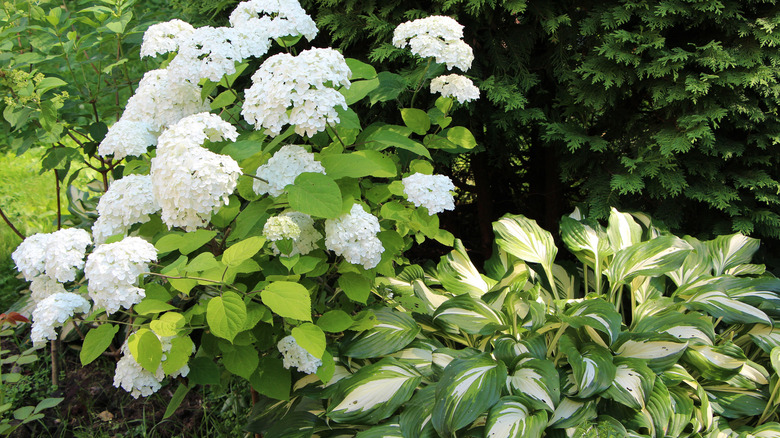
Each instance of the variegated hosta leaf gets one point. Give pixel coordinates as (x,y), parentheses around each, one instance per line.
(515,277)
(506,349)
(735,403)
(692,327)
(682,409)
(411,273)
(592,364)
(470,315)
(525,239)
(696,265)
(720,305)
(622,230)
(768,430)
(754,291)
(536,383)
(442,357)
(766,337)
(746,269)
(633,383)
(419,355)
(415,420)
(384,431)
(595,313)
(650,258)
(374,392)
(392,332)
(533,314)
(647,288)
(459,276)
(659,408)
(720,362)
(509,418)
(571,413)
(566,280)
(431,300)
(753,373)
(660,351)
(729,251)
(586,239)
(467,388)
(656,306)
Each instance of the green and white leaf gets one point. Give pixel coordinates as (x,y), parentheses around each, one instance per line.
(393,331)
(458,274)
(373,393)
(692,326)
(660,351)
(696,265)
(415,420)
(509,418)
(571,413)
(729,251)
(430,299)
(467,388)
(651,258)
(536,383)
(719,362)
(595,313)
(765,336)
(526,240)
(594,370)
(470,315)
(383,431)
(633,383)
(622,230)
(720,305)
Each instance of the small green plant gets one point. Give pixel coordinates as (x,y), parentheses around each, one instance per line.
(12,415)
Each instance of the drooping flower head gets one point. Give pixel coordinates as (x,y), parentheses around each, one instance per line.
(127,137)
(128,201)
(353,235)
(190,182)
(298,84)
(282,169)
(456,86)
(273,19)
(112,272)
(296,226)
(437,37)
(433,192)
(162,101)
(52,312)
(293,355)
(165,37)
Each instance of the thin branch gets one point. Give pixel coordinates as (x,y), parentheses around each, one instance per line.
(8,221)
(256,177)
(59,202)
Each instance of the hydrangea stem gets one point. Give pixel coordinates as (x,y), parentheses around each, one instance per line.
(13,228)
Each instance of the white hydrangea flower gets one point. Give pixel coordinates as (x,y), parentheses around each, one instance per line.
(133,378)
(112,272)
(52,312)
(165,37)
(65,253)
(43,286)
(433,192)
(161,101)
(281,227)
(437,37)
(293,225)
(293,355)
(30,255)
(127,137)
(459,87)
(167,344)
(192,186)
(282,169)
(273,19)
(209,52)
(128,201)
(192,131)
(297,83)
(353,235)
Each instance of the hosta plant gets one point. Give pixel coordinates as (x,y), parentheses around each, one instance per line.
(651,335)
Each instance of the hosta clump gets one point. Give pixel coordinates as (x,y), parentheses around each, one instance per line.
(654,335)
(234,245)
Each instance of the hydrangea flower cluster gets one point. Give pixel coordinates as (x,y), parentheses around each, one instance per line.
(298,84)
(210,52)
(353,235)
(135,379)
(433,192)
(293,355)
(112,272)
(165,37)
(296,226)
(52,312)
(128,201)
(456,86)
(437,37)
(190,182)
(127,137)
(282,169)
(47,260)
(273,19)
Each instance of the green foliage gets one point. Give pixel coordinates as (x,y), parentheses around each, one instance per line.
(514,360)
